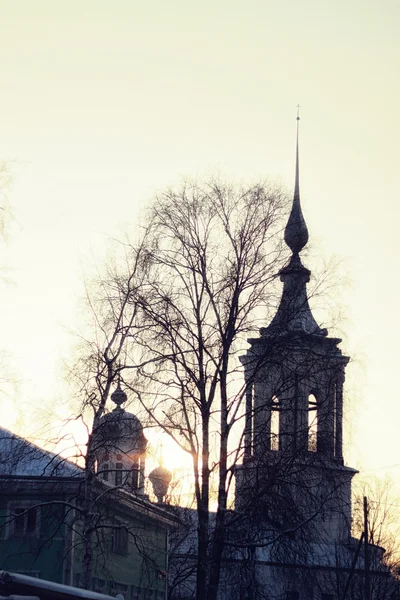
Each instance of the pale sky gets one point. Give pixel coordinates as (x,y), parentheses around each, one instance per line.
(105,102)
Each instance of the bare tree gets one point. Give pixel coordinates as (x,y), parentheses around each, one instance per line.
(212,254)
(383,538)
(205,281)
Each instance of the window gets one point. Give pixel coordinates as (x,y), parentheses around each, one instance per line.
(118,474)
(312,423)
(24,521)
(275,424)
(104,466)
(135,475)
(104,474)
(120,543)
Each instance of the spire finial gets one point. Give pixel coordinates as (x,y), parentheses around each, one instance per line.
(119,396)
(296,233)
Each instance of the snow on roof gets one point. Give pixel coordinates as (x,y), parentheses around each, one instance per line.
(19,457)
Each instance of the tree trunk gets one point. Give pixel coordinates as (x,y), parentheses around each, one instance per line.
(203,517)
(88,530)
(220,528)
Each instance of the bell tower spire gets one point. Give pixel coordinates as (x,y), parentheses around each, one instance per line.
(296,232)
(294,314)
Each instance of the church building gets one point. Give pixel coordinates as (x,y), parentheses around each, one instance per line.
(293,487)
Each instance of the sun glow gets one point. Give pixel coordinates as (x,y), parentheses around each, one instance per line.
(163,450)
(70,438)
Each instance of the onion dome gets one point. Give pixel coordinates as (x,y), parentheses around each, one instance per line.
(119,429)
(160,479)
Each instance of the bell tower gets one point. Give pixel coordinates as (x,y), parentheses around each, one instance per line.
(294,375)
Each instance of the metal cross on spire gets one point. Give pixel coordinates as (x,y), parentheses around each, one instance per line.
(297,178)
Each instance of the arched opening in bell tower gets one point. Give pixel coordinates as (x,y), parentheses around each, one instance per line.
(275,424)
(312,425)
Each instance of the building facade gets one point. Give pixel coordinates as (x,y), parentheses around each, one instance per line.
(43,502)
